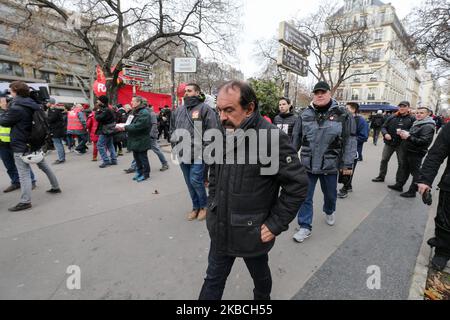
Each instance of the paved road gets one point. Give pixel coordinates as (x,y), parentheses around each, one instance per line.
(131,243)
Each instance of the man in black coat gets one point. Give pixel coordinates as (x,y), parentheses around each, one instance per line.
(417,141)
(401,120)
(105,131)
(246,209)
(57,127)
(436,156)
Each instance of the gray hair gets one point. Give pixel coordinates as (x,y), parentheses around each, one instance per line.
(141,100)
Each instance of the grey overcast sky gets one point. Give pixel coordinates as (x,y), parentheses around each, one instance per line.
(262,17)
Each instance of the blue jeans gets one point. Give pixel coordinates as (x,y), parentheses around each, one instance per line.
(156,149)
(193,175)
(104,144)
(219,268)
(141,163)
(59,148)
(7,156)
(328,184)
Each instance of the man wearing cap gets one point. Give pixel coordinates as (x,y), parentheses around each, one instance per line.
(401,120)
(417,141)
(325,133)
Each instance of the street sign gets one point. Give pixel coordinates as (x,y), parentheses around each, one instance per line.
(294,39)
(141,65)
(135,73)
(133,82)
(292,61)
(185,65)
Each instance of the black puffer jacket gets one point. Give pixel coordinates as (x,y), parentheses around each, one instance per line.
(421,137)
(19,117)
(104,116)
(241,200)
(57,122)
(436,156)
(286,122)
(393,123)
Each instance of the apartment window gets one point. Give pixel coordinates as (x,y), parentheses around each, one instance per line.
(372,94)
(69,80)
(362,21)
(355,94)
(340,94)
(381,16)
(378,36)
(11,69)
(44,76)
(376,55)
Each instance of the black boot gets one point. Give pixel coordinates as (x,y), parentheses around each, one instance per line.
(408,194)
(439,262)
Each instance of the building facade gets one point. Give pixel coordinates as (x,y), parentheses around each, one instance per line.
(388,75)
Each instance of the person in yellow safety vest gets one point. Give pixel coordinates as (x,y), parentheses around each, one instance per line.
(7,155)
(76,126)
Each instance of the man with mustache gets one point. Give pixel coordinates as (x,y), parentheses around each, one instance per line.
(248,208)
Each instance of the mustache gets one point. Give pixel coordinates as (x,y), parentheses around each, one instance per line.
(227,123)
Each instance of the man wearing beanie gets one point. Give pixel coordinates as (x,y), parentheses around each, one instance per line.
(106,128)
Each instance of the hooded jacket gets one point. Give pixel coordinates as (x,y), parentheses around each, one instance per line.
(19,118)
(421,136)
(328,141)
(56,122)
(241,199)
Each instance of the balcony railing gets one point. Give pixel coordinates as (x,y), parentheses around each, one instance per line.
(371,97)
(355,97)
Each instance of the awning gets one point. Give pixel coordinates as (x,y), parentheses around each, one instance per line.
(376,107)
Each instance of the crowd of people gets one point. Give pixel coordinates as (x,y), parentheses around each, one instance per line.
(244,209)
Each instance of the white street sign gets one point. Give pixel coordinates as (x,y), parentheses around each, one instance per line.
(141,65)
(135,73)
(185,65)
(294,39)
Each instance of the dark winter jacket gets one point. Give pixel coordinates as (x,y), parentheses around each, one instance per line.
(286,123)
(394,122)
(104,116)
(362,133)
(436,156)
(139,131)
(376,121)
(193,113)
(421,136)
(154,122)
(328,141)
(241,199)
(57,122)
(19,117)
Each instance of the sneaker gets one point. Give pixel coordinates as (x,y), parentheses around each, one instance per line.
(54,190)
(396,187)
(343,193)
(378,179)
(439,262)
(408,194)
(302,235)
(141,178)
(136,176)
(120,153)
(12,188)
(164,167)
(201,214)
(330,219)
(59,161)
(20,206)
(129,170)
(114,163)
(192,215)
(104,165)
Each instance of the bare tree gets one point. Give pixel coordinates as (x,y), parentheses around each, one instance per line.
(210,75)
(266,54)
(139,31)
(429,26)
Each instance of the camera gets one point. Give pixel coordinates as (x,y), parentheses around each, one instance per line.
(6,94)
(426,198)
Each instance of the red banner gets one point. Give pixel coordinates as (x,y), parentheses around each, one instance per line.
(157,100)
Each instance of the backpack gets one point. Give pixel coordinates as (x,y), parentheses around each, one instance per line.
(39,130)
(378,122)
